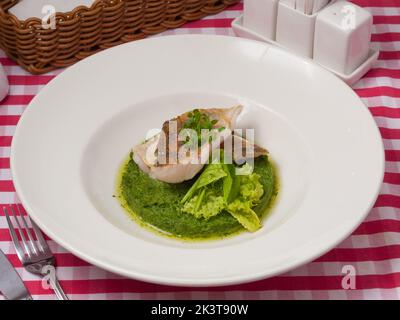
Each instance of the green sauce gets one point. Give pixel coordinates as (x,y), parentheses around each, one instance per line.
(156,205)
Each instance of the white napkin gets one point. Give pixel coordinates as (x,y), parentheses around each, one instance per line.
(4,87)
(25,9)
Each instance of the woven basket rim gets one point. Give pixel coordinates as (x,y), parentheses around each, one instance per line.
(60,15)
(86,29)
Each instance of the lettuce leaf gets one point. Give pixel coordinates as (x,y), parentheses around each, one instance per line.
(242,212)
(235,190)
(219,188)
(211,204)
(212,173)
(227,182)
(250,193)
(251,189)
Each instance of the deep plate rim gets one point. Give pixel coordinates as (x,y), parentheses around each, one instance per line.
(161,279)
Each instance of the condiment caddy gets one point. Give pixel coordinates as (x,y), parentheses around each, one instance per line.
(334,34)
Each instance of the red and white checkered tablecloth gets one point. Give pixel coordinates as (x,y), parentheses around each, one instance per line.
(373,249)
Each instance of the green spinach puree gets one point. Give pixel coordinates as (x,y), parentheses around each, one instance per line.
(157,204)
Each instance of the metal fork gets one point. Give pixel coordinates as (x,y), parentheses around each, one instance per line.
(35,255)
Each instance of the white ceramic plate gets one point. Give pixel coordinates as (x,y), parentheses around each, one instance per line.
(75,133)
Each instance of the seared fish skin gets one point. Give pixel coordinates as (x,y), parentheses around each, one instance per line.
(145,157)
(244,149)
(169,143)
(160,157)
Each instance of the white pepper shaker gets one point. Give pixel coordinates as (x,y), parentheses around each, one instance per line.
(260,17)
(342,37)
(4,86)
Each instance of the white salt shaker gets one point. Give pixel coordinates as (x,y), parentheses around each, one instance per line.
(342,37)
(260,16)
(295,29)
(4,87)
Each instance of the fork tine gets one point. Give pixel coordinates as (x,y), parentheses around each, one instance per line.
(14,237)
(39,237)
(32,241)
(23,237)
(43,256)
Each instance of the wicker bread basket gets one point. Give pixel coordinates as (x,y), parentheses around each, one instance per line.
(85,31)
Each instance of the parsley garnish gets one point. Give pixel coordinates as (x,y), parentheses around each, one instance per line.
(199,121)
